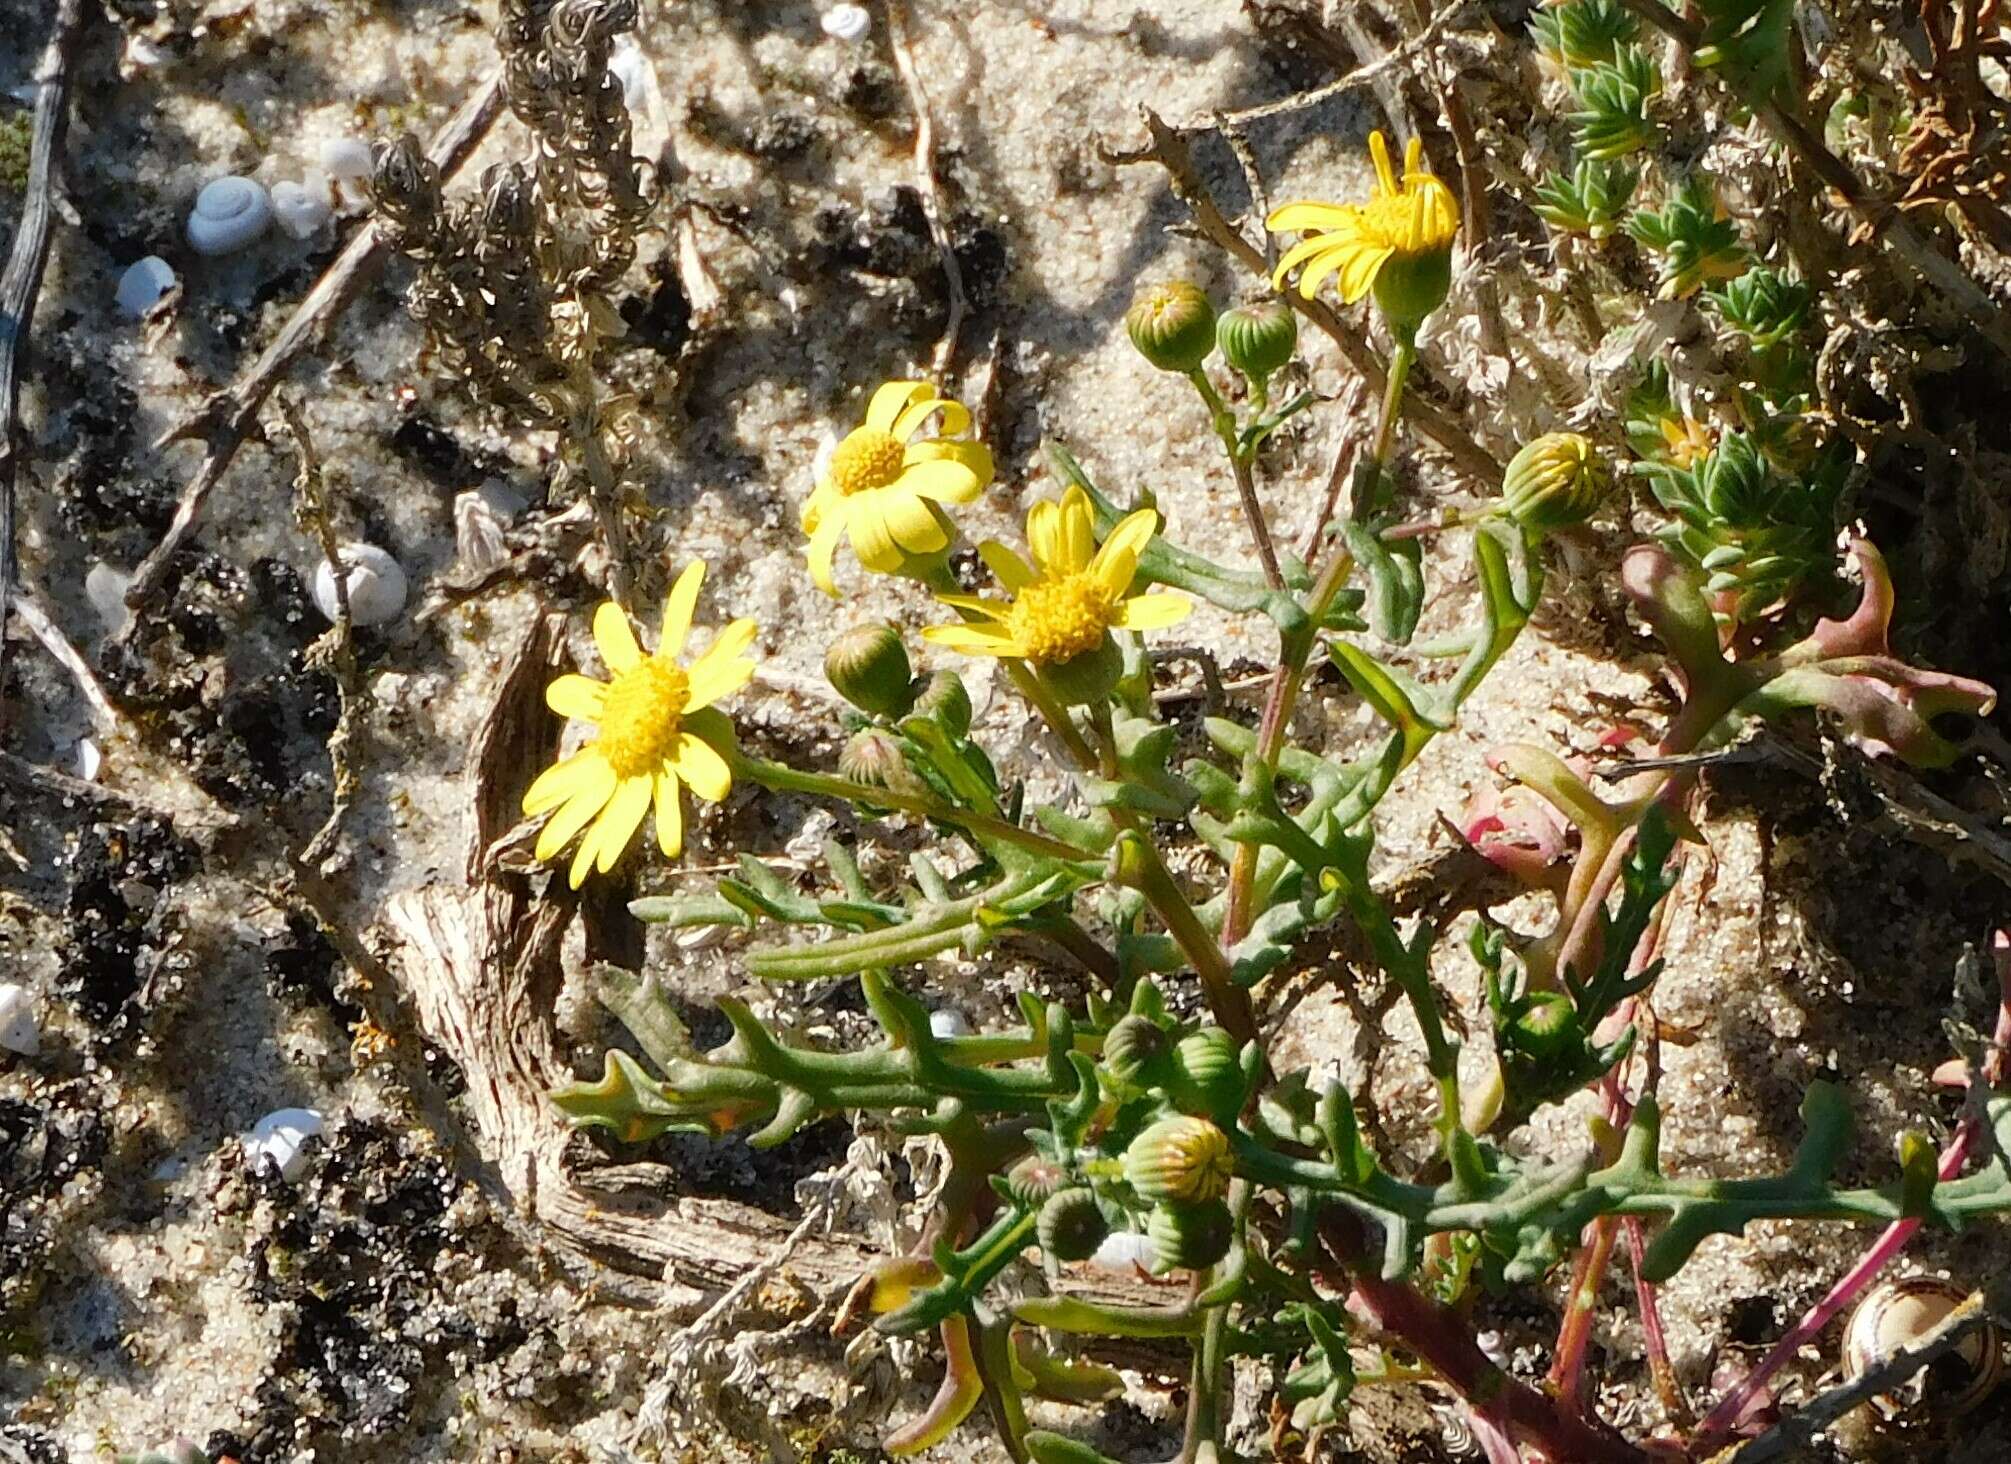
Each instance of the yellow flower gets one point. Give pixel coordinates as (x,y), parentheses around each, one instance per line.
(1687,440)
(882,486)
(1065,605)
(1399,243)
(657,729)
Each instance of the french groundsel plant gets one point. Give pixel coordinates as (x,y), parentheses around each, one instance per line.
(1202,868)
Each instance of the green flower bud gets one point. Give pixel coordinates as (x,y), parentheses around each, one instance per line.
(1189,1237)
(1071,1225)
(1409,287)
(1557,480)
(1258,339)
(1180,1158)
(1547,1026)
(1035,1180)
(1207,1078)
(868,666)
(873,756)
(1088,678)
(1138,1052)
(1173,325)
(945,699)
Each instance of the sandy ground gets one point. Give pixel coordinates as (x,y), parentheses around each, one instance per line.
(150,1284)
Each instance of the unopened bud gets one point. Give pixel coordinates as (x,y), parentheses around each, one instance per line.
(868,666)
(1258,339)
(1557,480)
(1173,325)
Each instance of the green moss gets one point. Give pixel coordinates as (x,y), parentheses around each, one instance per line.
(16,135)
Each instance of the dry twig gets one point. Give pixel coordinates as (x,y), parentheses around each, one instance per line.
(931,190)
(334,650)
(22,281)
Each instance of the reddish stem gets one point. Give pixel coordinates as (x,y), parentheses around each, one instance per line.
(1442,1339)
(1968,1134)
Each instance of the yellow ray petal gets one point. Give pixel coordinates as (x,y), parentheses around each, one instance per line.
(892,399)
(997,610)
(817,505)
(1115,570)
(1307,250)
(956,418)
(1133,532)
(615,639)
(577,696)
(1153,612)
(1077,535)
(1358,272)
(914,523)
(584,770)
(1043,536)
(945,479)
(1379,151)
(677,608)
(575,814)
(618,822)
(823,545)
(973,640)
(872,540)
(1307,215)
(1011,571)
(722,670)
(973,455)
(699,764)
(669,816)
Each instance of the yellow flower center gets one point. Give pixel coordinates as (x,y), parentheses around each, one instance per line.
(1059,619)
(640,721)
(868,458)
(1419,219)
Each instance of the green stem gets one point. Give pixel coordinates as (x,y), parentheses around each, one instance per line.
(1296,648)
(1224,422)
(781,778)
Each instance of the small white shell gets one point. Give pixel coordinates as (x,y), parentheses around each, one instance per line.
(229,214)
(346,159)
(377,585)
(631,67)
(90,758)
(1123,1250)
(848,23)
(1901,1312)
(279,1141)
(105,588)
(143,285)
(19,1030)
(300,212)
(949,1022)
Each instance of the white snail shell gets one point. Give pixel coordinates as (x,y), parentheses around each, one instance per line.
(19,1030)
(279,1141)
(377,585)
(949,1022)
(143,285)
(346,158)
(630,67)
(848,23)
(300,211)
(1900,1312)
(229,214)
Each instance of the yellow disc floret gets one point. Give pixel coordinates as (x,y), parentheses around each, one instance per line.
(645,707)
(1059,619)
(867,459)
(1065,604)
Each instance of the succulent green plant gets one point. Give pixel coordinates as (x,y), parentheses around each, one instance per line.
(1615,97)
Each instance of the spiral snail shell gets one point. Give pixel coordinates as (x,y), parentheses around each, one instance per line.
(377,585)
(229,214)
(1898,1314)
